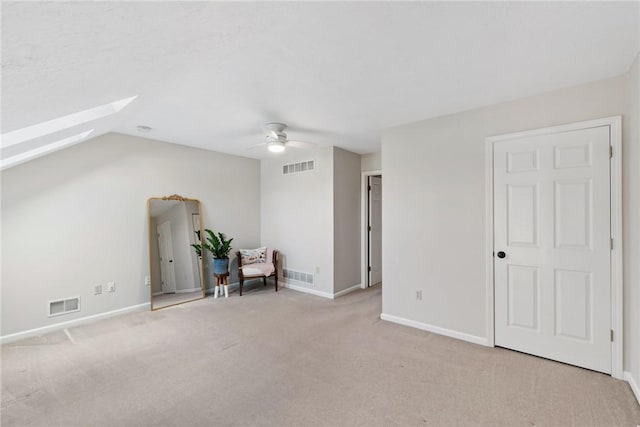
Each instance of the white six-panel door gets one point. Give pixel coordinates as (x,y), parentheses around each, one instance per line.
(375,230)
(552,225)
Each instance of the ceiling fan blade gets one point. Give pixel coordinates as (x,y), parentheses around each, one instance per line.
(301,144)
(257,145)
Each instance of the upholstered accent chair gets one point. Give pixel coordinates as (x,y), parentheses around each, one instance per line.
(258,269)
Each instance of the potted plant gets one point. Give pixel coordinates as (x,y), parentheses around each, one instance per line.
(198,246)
(219,247)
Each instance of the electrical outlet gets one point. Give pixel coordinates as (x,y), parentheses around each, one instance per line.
(97,289)
(111,286)
(147,280)
(419,295)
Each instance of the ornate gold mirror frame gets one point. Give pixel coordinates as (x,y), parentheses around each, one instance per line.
(175,266)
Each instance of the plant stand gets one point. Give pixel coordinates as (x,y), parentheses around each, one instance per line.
(221,280)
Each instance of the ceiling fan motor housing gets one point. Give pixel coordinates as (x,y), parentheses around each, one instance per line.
(275,132)
(281,138)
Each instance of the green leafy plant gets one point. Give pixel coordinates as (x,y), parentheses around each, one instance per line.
(198,246)
(218,244)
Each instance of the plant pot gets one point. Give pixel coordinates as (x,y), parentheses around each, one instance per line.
(220,265)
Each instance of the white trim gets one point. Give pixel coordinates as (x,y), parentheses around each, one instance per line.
(628,377)
(348,290)
(289,285)
(615,126)
(364,274)
(70,323)
(436,329)
(489,267)
(617,315)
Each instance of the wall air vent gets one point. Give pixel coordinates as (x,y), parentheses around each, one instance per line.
(298,167)
(64,306)
(297,276)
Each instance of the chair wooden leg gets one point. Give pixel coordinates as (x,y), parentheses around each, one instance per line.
(276,278)
(241,283)
(264,280)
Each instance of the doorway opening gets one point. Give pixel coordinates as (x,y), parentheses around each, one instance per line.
(372,229)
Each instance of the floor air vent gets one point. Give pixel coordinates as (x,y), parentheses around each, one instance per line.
(297,276)
(64,306)
(298,167)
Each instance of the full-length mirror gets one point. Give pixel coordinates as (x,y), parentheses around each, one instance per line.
(175,266)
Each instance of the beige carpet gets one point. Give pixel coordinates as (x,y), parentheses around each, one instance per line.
(291,359)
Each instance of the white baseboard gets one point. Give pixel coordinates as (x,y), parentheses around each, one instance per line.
(348,290)
(634,385)
(435,329)
(289,285)
(70,323)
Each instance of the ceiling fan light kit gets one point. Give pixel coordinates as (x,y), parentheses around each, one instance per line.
(277,139)
(276,146)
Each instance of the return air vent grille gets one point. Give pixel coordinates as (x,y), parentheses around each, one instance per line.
(298,167)
(64,306)
(297,276)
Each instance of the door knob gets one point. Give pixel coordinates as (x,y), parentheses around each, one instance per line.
(172,260)
(501,254)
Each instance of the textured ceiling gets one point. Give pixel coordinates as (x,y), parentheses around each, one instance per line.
(210,74)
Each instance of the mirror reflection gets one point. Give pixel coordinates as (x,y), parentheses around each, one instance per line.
(175,267)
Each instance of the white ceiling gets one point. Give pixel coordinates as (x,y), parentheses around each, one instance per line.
(210,74)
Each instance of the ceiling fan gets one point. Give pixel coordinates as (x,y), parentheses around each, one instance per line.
(277,139)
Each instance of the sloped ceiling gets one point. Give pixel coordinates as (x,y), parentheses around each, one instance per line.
(210,74)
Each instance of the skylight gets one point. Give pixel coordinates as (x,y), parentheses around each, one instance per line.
(41,151)
(46,128)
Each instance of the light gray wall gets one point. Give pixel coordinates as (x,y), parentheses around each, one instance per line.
(297,213)
(631,224)
(346,219)
(434,200)
(78,217)
(371,162)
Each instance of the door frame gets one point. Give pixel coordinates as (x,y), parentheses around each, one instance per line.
(615,171)
(364,255)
